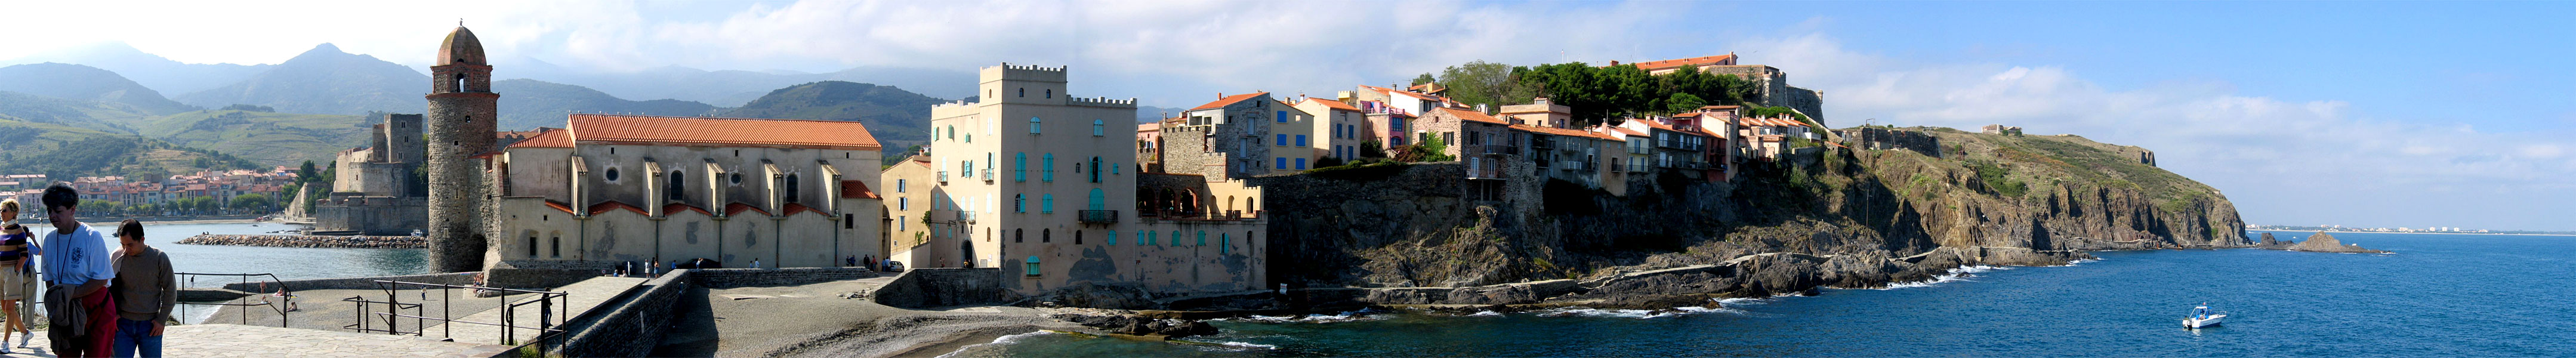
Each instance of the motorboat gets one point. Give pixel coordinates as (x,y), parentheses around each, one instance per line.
(2202,317)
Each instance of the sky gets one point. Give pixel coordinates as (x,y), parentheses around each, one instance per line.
(2413,114)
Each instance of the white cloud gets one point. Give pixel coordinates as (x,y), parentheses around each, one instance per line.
(2280,161)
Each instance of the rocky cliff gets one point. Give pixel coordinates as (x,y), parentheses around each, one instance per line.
(1844,217)
(2321,242)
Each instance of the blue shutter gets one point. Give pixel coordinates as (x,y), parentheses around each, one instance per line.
(1098,201)
(1301,140)
(1113,237)
(1049,168)
(1283,116)
(1282,163)
(1033,125)
(1301,163)
(1020,166)
(1046,204)
(1202,238)
(1098,128)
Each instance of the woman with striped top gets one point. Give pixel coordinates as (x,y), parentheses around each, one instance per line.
(17,275)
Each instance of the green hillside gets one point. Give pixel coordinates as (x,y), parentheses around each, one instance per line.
(267,138)
(92,115)
(66,138)
(527,104)
(897,118)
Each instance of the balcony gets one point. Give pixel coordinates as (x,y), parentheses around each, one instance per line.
(1099,216)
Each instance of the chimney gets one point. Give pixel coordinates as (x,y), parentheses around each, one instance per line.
(1614,62)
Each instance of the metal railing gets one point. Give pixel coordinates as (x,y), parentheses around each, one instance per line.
(187,279)
(548,303)
(1099,216)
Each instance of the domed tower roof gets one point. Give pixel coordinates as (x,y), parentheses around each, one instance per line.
(460,48)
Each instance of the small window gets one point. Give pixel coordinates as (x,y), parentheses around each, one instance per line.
(1024,92)
(1077,237)
(1224,243)
(1283,140)
(1151,238)
(1050,93)
(1046,235)
(532,247)
(791,188)
(1048,167)
(1283,116)
(1046,204)
(1033,266)
(1202,239)
(555,247)
(1301,164)
(1113,238)
(1020,167)
(611,174)
(903,203)
(737,179)
(1019,203)
(1033,125)
(898,185)
(1099,128)
(1095,169)
(1282,163)
(1019,235)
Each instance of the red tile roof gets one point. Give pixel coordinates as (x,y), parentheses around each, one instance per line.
(676,208)
(853,189)
(1770,122)
(1407,93)
(1558,131)
(738,208)
(1726,59)
(1472,115)
(729,132)
(1229,100)
(604,207)
(1334,104)
(551,138)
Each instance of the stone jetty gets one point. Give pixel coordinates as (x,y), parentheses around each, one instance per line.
(312,241)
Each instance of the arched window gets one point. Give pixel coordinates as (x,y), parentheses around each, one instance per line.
(791,188)
(1024,92)
(1046,204)
(1019,235)
(1048,165)
(460,82)
(1151,237)
(1020,167)
(1098,200)
(1046,235)
(1176,237)
(1095,170)
(1019,203)
(1033,125)
(1251,204)
(678,188)
(1033,264)
(1099,128)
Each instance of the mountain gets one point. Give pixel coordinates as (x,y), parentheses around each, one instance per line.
(85,83)
(152,71)
(1145,114)
(527,104)
(895,116)
(46,135)
(731,87)
(106,117)
(325,80)
(267,138)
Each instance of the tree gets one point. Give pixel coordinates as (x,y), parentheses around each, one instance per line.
(1682,102)
(1484,83)
(1327,162)
(1430,149)
(251,201)
(1372,149)
(1424,78)
(306,173)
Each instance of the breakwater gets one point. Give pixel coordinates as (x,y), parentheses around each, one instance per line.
(311,241)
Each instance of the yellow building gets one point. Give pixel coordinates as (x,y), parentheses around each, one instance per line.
(1044,186)
(1292,145)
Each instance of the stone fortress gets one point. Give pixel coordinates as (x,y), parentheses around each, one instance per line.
(377,188)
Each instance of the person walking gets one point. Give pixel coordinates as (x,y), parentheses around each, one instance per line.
(146,292)
(17,278)
(83,319)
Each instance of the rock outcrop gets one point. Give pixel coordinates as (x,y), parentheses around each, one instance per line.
(1823,217)
(2321,242)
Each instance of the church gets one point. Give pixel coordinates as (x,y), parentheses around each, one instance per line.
(612,189)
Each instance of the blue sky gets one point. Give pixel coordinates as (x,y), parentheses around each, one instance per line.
(2355,113)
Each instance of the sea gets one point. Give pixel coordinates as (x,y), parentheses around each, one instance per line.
(2438,295)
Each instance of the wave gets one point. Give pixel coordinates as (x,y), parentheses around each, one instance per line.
(1484,314)
(2081,261)
(1004,340)
(1234,346)
(1626,313)
(1960,274)
(1351,316)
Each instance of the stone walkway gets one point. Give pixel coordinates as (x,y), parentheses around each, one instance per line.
(584,296)
(233,340)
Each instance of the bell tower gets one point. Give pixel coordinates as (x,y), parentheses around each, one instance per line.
(460,124)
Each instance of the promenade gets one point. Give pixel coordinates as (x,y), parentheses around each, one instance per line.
(233,340)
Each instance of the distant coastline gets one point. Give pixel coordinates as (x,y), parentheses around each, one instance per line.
(2411,233)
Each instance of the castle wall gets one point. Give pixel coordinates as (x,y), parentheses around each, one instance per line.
(371,215)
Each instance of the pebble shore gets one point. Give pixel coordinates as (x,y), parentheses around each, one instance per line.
(312,241)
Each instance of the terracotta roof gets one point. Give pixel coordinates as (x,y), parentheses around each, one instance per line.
(1229,100)
(676,208)
(1407,93)
(1558,131)
(1711,132)
(793,208)
(567,209)
(1335,104)
(853,189)
(1472,115)
(1726,59)
(738,208)
(1770,122)
(729,132)
(604,207)
(551,138)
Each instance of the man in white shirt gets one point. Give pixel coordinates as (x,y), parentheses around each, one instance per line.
(77,268)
